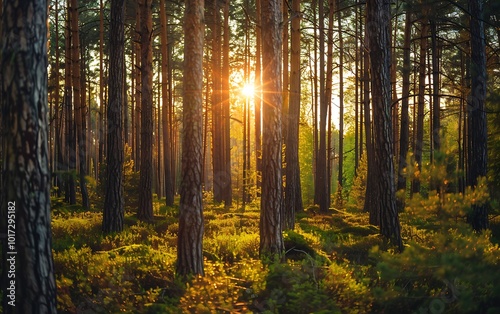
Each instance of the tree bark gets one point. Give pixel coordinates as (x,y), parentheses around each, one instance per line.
(145,212)
(189,249)
(258,98)
(25,193)
(167,145)
(371,176)
(113,202)
(340,178)
(70,195)
(226,110)
(271,238)
(293,191)
(436,108)
(377,24)
(478,136)
(321,193)
(404,136)
(419,141)
(78,105)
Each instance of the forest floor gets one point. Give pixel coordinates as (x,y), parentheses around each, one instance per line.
(336,263)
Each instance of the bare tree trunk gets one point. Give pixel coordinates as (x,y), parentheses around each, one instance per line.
(258,98)
(226,111)
(219,175)
(421,103)
(341,100)
(478,136)
(114,202)
(293,193)
(138,87)
(70,127)
(328,95)
(404,136)
(271,238)
(25,193)
(77,101)
(377,24)
(436,110)
(322,195)
(101,85)
(145,212)
(371,176)
(189,249)
(167,145)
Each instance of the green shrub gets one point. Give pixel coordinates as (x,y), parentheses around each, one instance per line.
(294,288)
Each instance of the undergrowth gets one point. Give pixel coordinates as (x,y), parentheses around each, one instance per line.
(336,263)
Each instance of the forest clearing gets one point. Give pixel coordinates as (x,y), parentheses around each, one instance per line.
(250,156)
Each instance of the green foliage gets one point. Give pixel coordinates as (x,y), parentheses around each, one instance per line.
(445,264)
(294,288)
(69,228)
(306,162)
(337,263)
(225,288)
(356,200)
(352,294)
(122,280)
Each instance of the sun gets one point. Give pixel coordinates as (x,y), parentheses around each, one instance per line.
(248,90)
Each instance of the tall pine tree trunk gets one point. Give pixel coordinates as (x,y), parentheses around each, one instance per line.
(189,248)
(113,201)
(293,193)
(271,238)
(167,145)
(377,24)
(321,193)
(477,150)
(70,195)
(404,136)
(25,193)
(226,111)
(145,212)
(419,140)
(78,105)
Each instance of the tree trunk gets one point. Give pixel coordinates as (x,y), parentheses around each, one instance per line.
(138,87)
(377,24)
(70,196)
(226,110)
(340,178)
(477,150)
(321,193)
(219,175)
(113,202)
(100,158)
(167,145)
(189,249)
(419,141)
(328,95)
(145,212)
(271,238)
(25,193)
(258,98)
(371,176)
(77,101)
(293,192)
(404,136)
(436,110)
